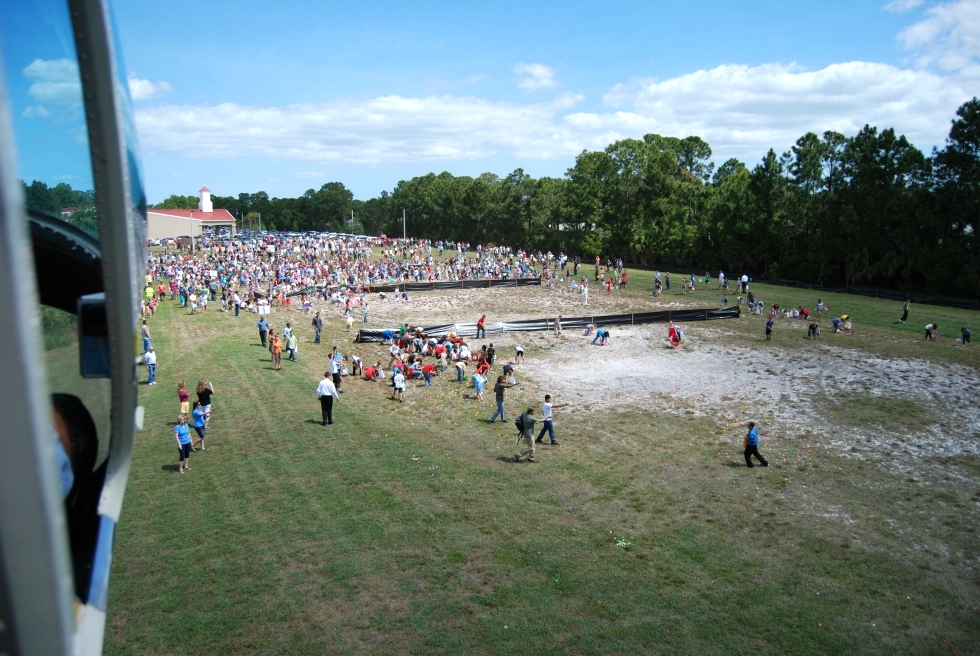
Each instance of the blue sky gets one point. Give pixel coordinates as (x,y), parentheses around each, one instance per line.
(283,97)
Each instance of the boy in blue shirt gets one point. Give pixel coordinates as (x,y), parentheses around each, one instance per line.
(752,447)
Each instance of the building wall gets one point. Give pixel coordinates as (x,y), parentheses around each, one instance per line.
(162,226)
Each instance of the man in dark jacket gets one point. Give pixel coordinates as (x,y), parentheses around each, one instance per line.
(318,327)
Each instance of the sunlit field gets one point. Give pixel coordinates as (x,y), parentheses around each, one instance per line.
(408,527)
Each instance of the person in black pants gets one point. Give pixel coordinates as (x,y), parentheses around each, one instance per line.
(318,327)
(752,447)
(327,393)
(263,328)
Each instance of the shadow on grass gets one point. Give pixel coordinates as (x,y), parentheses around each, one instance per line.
(314,421)
(736,464)
(171,468)
(510,459)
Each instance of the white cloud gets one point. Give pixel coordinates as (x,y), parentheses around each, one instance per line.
(36,111)
(535,76)
(901,6)
(56,81)
(376,131)
(742,110)
(141,89)
(948,37)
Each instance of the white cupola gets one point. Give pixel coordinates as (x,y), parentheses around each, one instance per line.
(204,204)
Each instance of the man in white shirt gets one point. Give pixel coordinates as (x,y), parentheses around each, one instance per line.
(150,360)
(396,355)
(326,392)
(549,420)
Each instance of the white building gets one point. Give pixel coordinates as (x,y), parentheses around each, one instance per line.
(162,224)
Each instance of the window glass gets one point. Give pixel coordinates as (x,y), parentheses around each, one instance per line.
(64,371)
(45,95)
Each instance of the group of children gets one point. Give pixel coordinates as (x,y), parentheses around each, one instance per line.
(201,415)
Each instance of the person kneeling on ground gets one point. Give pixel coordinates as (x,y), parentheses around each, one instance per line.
(813,330)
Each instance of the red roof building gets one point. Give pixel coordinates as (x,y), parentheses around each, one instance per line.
(162,224)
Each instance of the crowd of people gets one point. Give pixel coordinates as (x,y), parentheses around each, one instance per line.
(253,276)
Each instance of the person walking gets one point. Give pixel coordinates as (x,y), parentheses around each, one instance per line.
(905,311)
(145,330)
(263,328)
(751,444)
(318,327)
(498,390)
(184,397)
(481,327)
(291,345)
(548,420)
(198,416)
(183,436)
(558,325)
(336,361)
(276,344)
(327,394)
(204,391)
(527,434)
(479,384)
(769,325)
(150,360)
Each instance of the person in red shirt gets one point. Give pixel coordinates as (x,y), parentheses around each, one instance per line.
(428,371)
(481,327)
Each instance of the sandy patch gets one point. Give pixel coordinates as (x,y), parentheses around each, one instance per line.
(784,390)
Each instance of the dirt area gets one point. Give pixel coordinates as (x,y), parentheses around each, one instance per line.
(788,392)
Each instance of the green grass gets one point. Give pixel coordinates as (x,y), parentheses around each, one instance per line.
(406,529)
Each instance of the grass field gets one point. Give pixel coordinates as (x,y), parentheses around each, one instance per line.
(407,528)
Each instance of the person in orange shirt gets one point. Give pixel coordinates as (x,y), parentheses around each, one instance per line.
(276,350)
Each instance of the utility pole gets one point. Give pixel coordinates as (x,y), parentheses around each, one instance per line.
(403,224)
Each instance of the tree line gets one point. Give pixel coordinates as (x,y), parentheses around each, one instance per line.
(871,209)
